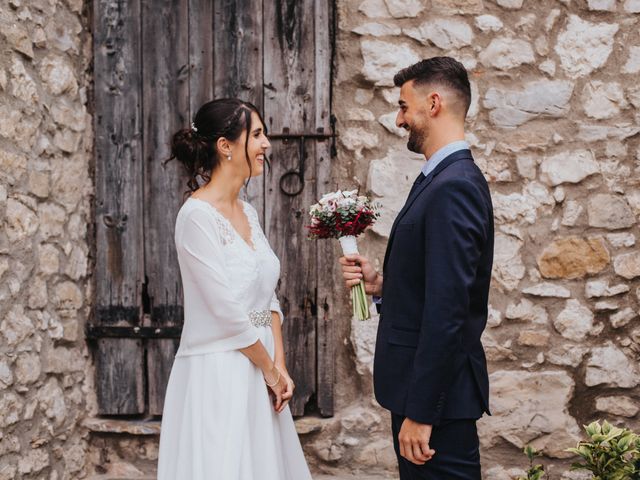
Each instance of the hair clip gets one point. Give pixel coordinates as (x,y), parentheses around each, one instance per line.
(193,127)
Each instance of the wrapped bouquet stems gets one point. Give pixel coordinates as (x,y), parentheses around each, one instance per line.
(358,295)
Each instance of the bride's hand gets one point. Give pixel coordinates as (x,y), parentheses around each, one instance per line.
(288,393)
(277,383)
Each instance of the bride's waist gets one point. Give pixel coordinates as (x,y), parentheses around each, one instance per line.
(258,317)
(196,340)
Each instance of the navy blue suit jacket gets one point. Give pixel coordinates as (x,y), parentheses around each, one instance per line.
(429,362)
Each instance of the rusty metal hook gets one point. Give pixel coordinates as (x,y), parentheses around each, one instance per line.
(298,174)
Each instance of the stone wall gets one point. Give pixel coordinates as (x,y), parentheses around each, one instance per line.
(554,125)
(45,188)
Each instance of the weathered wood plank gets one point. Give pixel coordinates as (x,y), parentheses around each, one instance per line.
(323,33)
(118,208)
(289,87)
(238,50)
(326,253)
(326,261)
(120,384)
(200,54)
(299,360)
(118,148)
(286,217)
(165,85)
(160,356)
(238,58)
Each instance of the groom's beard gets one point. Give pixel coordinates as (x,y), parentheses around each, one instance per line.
(416,139)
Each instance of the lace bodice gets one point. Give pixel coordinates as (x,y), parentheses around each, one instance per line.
(228,234)
(224,278)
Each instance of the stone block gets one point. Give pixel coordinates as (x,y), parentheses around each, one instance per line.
(584,46)
(609,366)
(57,74)
(602,5)
(573,257)
(568,167)
(627,265)
(404,8)
(531,408)
(505,53)
(609,211)
(508,268)
(382,60)
(533,338)
(538,98)
(620,405)
(547,289)
(575,322)
(603,100)
(489,23)
(622,318)
(444,33)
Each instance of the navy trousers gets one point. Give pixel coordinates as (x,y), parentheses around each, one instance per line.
(457,452)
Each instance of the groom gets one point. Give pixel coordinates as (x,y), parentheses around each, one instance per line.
(430,369)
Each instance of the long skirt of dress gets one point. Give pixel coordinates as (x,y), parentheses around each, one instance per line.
(219,423)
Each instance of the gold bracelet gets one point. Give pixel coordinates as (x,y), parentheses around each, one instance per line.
(277,379)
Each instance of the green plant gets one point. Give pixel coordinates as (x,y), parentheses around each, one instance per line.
(535,472)
(610,453)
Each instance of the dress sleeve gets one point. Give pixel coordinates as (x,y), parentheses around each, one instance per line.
(202,259)
(275,307)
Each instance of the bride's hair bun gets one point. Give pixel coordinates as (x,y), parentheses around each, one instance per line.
(195,152)
(196,147)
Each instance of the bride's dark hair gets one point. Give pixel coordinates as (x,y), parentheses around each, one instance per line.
(195,147)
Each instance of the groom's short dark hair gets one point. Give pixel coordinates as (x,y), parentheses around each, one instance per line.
(445,71)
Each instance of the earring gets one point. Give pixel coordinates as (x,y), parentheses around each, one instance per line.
(228,157)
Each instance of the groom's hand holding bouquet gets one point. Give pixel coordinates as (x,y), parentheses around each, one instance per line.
(357,268)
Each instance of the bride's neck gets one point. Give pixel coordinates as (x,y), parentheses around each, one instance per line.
(223,189)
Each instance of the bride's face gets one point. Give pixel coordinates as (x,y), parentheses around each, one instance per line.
(257,144)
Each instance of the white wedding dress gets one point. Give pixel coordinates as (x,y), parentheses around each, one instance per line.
(218,421)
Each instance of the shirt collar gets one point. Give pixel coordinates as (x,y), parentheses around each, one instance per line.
(443,153)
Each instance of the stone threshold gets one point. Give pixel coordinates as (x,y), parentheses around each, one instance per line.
(304,425)
(130,427)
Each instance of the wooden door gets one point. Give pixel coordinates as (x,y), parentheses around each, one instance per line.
(156,62)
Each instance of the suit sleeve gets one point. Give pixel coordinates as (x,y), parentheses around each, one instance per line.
(456,231)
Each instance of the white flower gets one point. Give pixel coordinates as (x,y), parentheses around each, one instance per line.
(345,202)
(330,197)
(340,199)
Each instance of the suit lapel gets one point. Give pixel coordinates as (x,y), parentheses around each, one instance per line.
(451,159)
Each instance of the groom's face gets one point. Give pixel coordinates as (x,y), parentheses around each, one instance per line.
(413,116)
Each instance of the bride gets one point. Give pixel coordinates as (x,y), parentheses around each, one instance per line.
(225,414)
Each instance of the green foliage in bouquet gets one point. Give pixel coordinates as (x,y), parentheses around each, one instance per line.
(610,453)
(535,472)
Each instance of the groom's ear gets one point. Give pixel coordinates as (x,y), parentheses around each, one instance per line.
(434,103)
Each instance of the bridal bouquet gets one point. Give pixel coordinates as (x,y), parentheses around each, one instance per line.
(345,215)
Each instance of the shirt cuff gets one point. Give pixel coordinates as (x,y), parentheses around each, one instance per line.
(377,300)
